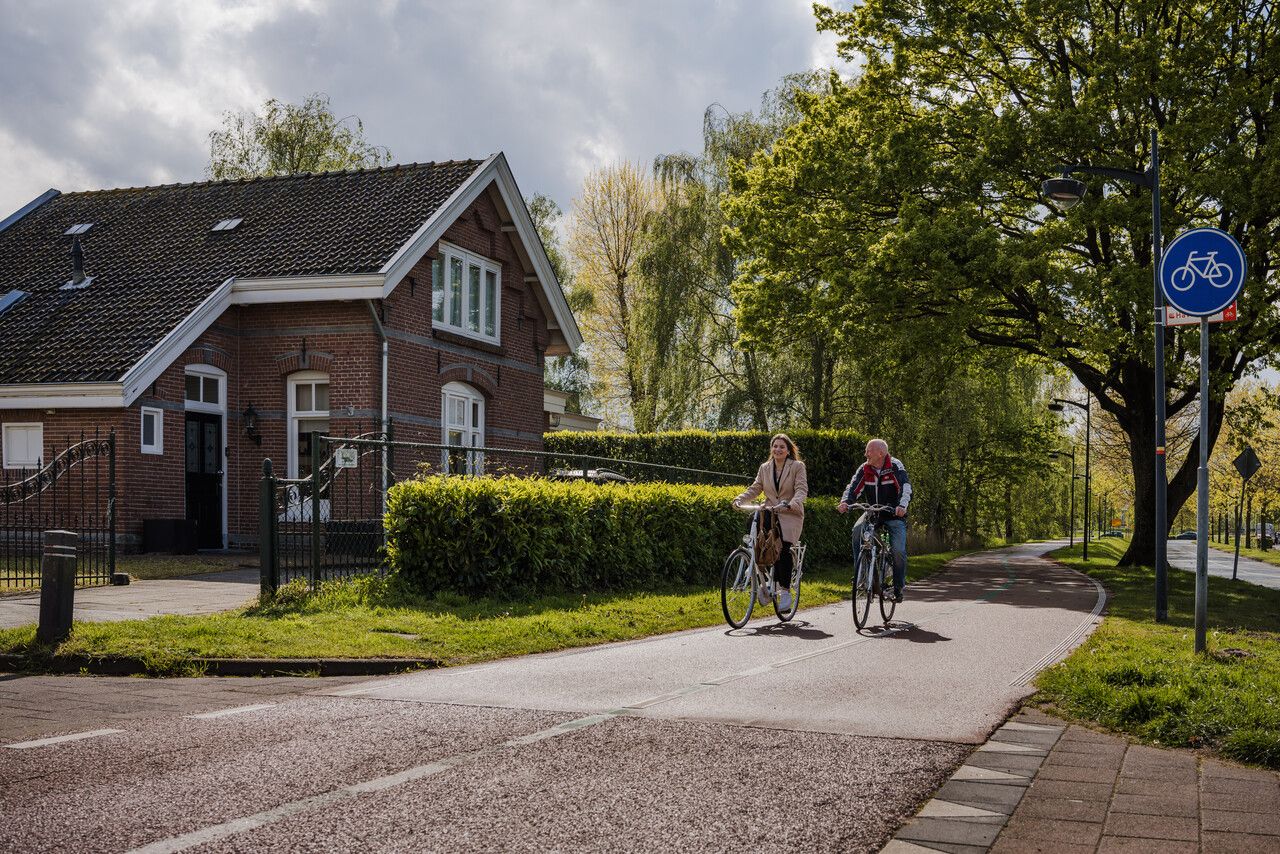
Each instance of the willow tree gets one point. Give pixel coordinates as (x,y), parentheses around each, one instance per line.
(914,190)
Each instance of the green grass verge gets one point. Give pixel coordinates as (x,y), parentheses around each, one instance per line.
(376,618)
(1142,678)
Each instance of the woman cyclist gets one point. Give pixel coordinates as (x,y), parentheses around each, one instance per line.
(785,484)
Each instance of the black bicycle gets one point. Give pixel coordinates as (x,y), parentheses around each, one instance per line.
(873,570)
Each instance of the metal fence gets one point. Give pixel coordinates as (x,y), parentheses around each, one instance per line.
(336,530)
(74,491)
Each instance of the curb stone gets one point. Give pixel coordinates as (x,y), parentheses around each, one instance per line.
(972,807)
(125,666)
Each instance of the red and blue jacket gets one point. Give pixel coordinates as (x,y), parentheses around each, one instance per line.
(886,485)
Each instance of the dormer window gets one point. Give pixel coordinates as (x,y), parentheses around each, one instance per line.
(11,299)
(228,224)
(78,228)
(466,294)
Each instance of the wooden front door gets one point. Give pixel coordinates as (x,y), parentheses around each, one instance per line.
(204,477)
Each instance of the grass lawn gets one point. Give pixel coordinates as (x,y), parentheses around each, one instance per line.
(1142,678)
(1269,556)
(374,618)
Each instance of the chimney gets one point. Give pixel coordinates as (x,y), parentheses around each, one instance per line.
(78,278)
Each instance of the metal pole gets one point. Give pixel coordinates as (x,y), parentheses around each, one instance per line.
(315,508)
(1162,524)
(1235,564)
(1088,434)
(1202,487)
(268,580)
(1073,496)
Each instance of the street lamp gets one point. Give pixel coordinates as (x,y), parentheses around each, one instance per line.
(1065,193)
(1057,405)
(1071,525)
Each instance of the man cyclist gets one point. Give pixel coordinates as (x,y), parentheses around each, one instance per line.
(883,479)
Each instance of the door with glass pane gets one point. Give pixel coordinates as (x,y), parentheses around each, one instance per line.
(204,477)
(463,428)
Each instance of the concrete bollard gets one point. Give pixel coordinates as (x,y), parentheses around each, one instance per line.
(57,586)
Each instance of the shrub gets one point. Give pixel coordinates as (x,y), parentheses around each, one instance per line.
(507,536)
(830,455)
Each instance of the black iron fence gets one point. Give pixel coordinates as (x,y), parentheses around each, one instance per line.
(74,491)
(336,530)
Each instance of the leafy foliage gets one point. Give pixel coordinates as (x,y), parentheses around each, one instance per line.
(286,139)
(510,536)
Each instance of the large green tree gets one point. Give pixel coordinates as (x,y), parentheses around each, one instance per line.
(913,191)
(286,139)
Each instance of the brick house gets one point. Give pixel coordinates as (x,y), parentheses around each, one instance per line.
(214,324)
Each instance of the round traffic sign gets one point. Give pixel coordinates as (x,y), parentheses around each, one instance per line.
(1202,271)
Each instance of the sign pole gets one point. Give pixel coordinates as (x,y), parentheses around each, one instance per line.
(1161,476)
(1202,497)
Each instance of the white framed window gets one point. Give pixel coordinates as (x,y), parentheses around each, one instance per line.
(152,430)
(466,294)
(23,445)
(308,413)
(462,409)
(206,388)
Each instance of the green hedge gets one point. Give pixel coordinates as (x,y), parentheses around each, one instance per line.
(505,536)
(830,455)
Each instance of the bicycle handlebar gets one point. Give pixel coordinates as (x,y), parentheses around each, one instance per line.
(874,508)
(752,508)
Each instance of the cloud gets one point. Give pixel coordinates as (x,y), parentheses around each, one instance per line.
(100,94)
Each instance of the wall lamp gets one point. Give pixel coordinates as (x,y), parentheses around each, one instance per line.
(250,416)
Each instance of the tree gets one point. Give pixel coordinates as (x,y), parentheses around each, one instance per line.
(286,139)
(606,240)
(914,191)
(571,373)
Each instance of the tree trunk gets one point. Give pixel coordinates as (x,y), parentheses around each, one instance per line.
(817,374)
(754,392)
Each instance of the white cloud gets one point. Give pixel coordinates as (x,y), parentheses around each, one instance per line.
(98,94)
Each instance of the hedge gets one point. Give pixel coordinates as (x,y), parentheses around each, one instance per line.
(830,455)
(508,536)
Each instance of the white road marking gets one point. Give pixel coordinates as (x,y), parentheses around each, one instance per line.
(59,739)
(238,710)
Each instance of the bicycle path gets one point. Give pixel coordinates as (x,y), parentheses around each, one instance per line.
(958,657)
(1182,555)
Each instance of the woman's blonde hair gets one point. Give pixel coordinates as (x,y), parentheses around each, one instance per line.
(793,450)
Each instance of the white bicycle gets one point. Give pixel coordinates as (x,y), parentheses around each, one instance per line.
(743,579)
(1201,266)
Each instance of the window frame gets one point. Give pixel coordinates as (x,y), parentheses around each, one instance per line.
(293,415)
(473,433)
(443,287)
(4,440)
(156,448)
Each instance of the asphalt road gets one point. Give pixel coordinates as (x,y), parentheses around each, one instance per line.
(1182,554)
(811,737)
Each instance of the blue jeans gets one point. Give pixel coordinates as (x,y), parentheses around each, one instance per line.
(898,547)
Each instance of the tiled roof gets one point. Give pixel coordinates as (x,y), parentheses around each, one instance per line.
(153,256)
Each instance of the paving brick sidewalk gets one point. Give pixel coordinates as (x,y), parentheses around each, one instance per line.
(197,594)
(1040,785)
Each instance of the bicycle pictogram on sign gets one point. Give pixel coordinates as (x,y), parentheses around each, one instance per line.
(1202,271)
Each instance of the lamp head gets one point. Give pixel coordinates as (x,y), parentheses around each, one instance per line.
(1063,193)
(1055,407)
(250,416)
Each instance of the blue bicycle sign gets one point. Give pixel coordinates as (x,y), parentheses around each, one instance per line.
(1202,271)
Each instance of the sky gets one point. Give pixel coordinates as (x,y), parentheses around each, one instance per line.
(121,93)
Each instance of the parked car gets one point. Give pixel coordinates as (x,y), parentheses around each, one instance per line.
(1186,535)
(593,475)
(1114,532)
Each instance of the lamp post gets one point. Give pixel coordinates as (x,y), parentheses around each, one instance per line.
(1057,406)
(1071,525)
(1065,193)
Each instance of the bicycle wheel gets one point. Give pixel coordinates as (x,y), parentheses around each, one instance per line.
(738,588)
(795,600)
(862,580)
(887,605)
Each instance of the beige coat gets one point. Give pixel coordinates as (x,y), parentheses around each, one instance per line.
(793,487)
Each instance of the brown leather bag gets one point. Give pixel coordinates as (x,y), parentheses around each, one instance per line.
(769,543)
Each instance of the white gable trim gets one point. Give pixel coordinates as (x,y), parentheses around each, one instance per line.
(307,289)
(61,396)
(151,366)
(496,171)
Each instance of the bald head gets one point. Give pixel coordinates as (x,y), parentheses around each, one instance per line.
(877,451)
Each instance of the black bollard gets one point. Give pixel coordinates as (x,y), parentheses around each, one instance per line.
(57,586)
